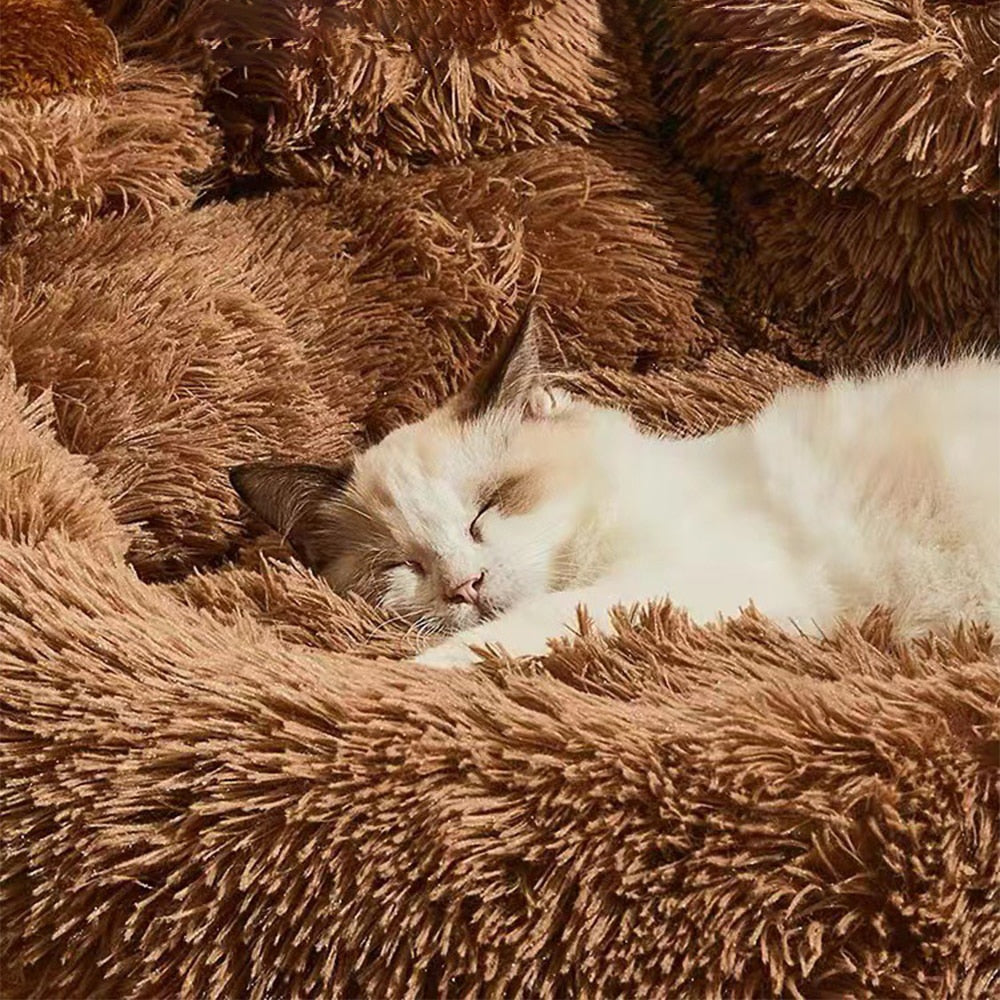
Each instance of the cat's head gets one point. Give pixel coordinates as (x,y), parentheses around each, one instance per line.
(447,521)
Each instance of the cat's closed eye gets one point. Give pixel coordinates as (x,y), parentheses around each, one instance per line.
(474,528)
(413,565)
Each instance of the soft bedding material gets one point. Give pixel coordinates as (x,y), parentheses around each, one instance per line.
(245,230)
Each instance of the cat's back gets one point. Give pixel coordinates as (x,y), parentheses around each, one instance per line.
(898,426)
(893,483)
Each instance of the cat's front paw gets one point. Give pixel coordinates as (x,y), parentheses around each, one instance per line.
(504,637)
(450,654)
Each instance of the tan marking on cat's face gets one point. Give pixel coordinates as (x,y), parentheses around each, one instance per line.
(520,492)
(379,496)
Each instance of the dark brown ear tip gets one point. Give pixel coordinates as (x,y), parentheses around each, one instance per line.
(533,307)
(525,329)
(238,475)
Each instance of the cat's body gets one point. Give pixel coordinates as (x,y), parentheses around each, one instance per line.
(514,504)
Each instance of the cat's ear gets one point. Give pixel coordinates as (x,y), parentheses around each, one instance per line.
(512,380)
(292,500)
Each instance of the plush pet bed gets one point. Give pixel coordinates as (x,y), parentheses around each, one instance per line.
(276,228)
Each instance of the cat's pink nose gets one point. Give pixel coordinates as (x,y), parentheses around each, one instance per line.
(467,592)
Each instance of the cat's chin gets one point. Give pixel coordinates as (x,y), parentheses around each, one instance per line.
(488,611)
(473,616)
(464,618)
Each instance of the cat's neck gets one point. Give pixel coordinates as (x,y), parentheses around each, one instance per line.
(634,496)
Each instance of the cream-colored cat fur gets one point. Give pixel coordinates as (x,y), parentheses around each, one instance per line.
(501,513)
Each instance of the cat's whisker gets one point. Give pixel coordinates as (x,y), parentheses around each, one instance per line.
(388,626)
(342,504)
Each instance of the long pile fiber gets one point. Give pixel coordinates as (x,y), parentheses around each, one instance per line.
(53,47)
(900,98)
(142,145)
(290,325)
(274,229)
(855,146)
(301,89)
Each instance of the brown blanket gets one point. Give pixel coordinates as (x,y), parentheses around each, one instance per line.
(239,230)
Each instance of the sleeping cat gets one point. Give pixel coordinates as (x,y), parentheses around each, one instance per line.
(499,514)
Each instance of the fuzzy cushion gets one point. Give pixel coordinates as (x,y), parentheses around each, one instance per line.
(899,98)
(140,145)
(221,779)
(84,135)
(305,88)
(43,488)
(197,807)
(855,151)
(54,47)
(863,279)
(223,787)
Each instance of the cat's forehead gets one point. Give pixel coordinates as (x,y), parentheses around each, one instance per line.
(416,485)
(435,450)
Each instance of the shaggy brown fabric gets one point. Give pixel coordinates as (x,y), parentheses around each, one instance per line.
(216,781)
(899,98)
(724,389)
(165,368)
(304,89)
(290,325)
(54,46)
(301,89)
(165,30)
(140,146)
(294,606)
(856,151)
(216,812)
(861,278)
(43,488)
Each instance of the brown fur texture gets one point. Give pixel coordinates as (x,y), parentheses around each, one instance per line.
(899,98)
(54,47)
(238,815)
(303,89)
(855,149)
(164,30)
(301,322)
(140,146)
(218,778)
(861,278)
(45,489)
